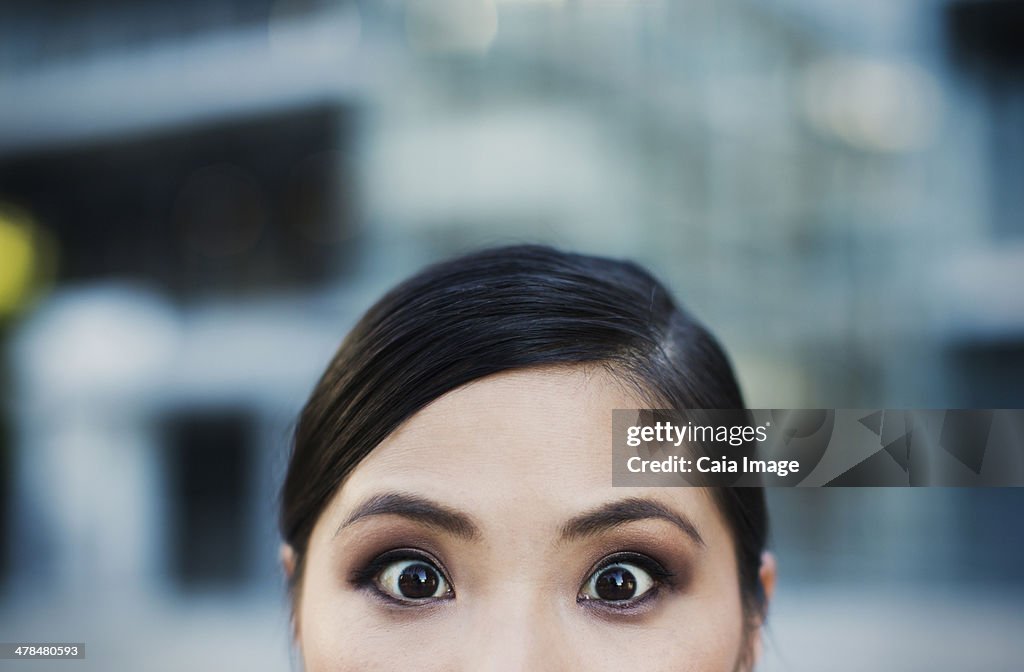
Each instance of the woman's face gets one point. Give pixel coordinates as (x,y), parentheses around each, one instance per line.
(485,534)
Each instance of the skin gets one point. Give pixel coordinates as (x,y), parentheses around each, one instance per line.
(518,457)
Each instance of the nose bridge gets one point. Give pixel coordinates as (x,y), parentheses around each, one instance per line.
(516,629)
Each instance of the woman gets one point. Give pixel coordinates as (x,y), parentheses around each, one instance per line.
(448,503)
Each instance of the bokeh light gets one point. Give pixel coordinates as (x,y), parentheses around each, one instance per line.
(27,259)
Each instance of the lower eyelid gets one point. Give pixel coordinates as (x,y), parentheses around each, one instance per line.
(641,604)
(374,590)
(392,602)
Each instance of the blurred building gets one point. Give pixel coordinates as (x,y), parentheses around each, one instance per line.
(206,195)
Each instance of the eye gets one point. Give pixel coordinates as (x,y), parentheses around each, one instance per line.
(621,583)
(413,580)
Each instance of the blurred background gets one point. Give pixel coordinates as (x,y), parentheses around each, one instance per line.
(198,199)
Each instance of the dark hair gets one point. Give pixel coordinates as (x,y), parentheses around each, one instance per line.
(498,310)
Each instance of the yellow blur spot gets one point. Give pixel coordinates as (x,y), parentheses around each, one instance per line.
(18,260)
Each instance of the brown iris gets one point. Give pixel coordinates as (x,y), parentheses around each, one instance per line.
(615,584)
(418,581)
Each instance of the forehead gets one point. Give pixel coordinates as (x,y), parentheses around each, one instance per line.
(525,423)
(537,439)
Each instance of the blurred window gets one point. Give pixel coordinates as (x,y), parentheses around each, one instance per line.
(209,456)
(989,375)
(986,39)
(234,207)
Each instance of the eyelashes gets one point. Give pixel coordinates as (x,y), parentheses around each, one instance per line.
(411,577)
(624,581)
(405,576)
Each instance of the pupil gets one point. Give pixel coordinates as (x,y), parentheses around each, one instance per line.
(418,581)
(615,584)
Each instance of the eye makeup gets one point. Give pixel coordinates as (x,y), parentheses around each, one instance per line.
(630,570)
(421,573)
(624,582)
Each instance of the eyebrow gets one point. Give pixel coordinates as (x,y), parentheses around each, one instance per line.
(593,522)
(614,514)
(417,509)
